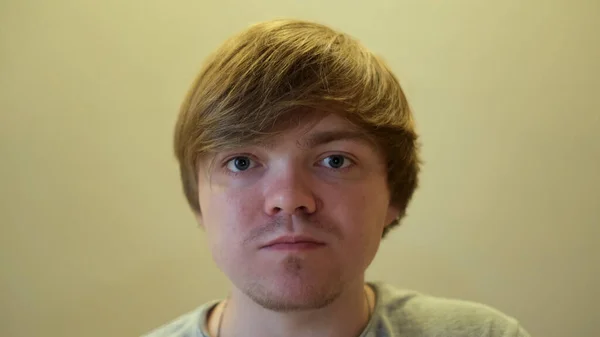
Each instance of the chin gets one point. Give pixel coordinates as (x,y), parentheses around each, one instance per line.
(294,289)
(292,296)
(290,284)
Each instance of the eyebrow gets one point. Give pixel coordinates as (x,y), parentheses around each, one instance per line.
(324,137)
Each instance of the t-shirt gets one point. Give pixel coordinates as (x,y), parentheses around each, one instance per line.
(397,313)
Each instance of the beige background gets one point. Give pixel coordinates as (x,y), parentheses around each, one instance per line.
(97,240)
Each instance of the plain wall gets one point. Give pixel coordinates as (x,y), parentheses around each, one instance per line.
(97,239)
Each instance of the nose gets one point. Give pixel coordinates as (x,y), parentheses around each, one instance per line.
(290,194)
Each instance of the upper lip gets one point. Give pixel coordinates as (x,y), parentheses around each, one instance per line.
(293,239)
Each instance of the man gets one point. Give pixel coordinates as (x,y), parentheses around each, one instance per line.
(298,154)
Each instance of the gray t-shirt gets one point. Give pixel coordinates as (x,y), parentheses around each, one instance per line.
(398,313)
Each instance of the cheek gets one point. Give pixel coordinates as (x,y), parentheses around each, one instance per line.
(244,206)
(228,214)
(228,219)
(361,205)
(361,212)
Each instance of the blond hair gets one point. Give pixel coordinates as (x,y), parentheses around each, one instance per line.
(272,73)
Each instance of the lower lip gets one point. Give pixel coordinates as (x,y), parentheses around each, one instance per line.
(298,246)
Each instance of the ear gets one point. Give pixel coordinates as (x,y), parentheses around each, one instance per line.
(198,217)
(392,213)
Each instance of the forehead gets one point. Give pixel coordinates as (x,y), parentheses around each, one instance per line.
(314,130)
(305,133)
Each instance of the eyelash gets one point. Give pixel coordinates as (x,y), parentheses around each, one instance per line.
(344,169)
(252,158)
(227,161)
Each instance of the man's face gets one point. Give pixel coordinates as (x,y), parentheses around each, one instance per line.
(292,222)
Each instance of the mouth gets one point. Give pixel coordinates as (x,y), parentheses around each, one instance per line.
(293,243)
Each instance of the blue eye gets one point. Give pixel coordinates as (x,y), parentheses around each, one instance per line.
(240,163)
(336,162)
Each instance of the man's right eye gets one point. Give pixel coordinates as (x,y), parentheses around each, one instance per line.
(240,163)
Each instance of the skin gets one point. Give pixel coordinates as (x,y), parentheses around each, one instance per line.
(322,180)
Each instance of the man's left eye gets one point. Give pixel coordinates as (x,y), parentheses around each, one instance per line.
(336,162)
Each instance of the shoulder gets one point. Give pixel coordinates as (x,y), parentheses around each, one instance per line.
(187,325)
(413,313)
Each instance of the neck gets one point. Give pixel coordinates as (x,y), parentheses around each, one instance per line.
(346,316)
